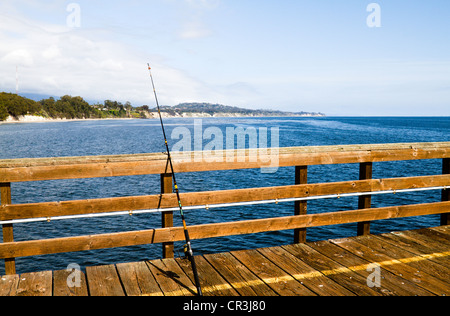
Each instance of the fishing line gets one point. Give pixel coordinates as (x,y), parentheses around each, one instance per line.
(188,247)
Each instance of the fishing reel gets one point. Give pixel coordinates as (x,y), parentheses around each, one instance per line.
(188,254)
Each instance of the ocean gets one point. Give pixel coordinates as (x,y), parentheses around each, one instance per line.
(112,137)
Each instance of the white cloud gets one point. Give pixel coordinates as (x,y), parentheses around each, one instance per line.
(52,52)
(19,57)
(58,60)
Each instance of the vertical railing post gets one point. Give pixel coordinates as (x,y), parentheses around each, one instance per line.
(445,218)
(167,217)
(364,202)
(301,177)
(8,233)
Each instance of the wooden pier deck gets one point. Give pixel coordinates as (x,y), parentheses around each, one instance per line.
(409,263)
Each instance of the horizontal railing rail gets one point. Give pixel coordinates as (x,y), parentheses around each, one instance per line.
(40,169)
(48,210)
(173,234)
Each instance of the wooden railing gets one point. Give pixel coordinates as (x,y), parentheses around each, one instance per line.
(43,169)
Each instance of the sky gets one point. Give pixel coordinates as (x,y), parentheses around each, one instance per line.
(341,58)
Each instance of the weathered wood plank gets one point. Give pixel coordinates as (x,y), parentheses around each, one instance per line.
(277,279)
(438,236)
(35,284)
(85,243)
(188,156)
(300,207)
(212,283)
(55,161)
(62,288)
(104,281)
(171,278)
(137,279)
(8,285)
(419,247)
(82,243)
(445,218)
(409,266)
(305,274)
(390,284)
(365,172)
(239,276)
(8,229)
(87,167)
(417,261)
(338,273)
(167,217)
(52,209)
(442,229)
(422,280)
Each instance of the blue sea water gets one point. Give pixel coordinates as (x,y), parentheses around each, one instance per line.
(111,137)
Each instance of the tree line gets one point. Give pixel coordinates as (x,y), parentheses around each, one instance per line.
(65,107)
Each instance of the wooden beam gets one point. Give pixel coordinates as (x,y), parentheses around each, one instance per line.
(52,209)
(19,170)
(167,217)
(364,202)
(8,230)
(124,239)
(301,177)
(445,218)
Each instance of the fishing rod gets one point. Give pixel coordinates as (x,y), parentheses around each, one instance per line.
(188,247)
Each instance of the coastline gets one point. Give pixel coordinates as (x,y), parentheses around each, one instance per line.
(151,115)
(41,119)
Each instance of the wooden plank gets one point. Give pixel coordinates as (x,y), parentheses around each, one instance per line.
(350,281)
(419,262)
(445,218)
(167,217)
(239,276)
(305,274)
(171,278)
(364,202)
(409,273)
(300,207)
(8,285)
(35,284)
(211,282)
(437,236)
(52,209)
(420,247)
(88,167)
(390,283)
(137,280)
(8,230)
(83,243)
(104,281)
(62,288)
(277,279)
(442,229)
(422,241)
(57,161)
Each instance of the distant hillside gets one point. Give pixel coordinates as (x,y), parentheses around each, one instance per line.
(15,108)
(208,109)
